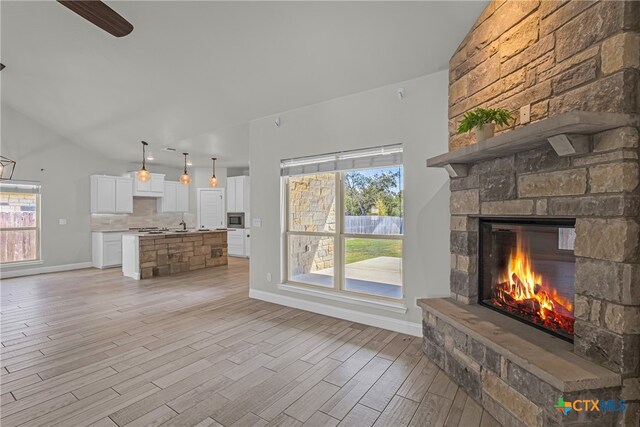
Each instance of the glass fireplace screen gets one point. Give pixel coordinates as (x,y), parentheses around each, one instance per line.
(527,271)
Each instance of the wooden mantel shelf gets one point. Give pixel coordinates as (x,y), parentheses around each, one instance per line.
(568,134)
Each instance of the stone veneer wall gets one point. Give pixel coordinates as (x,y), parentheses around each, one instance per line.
(162,255)
(559,56)
(555,55)
(312,207)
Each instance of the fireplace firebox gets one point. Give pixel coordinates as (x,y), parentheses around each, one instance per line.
(527,270)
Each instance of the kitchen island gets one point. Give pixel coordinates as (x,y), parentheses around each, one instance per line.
(146,255)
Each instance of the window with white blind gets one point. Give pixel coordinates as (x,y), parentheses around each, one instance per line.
(19,222)
(344,221)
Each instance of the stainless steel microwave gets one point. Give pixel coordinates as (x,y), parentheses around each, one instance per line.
(235,219)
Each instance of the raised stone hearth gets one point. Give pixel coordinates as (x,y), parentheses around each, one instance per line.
(516,372)
(557,59)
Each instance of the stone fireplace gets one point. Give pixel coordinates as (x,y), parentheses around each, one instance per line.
(569,71)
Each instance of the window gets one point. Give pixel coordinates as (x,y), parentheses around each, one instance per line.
(344,227)
(19,222)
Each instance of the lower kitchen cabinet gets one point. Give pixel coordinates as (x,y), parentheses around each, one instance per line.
(106,249)
(235,242)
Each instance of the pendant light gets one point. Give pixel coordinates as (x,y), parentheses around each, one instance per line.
(213,181)
(185,179)
(6,168)
(143,173)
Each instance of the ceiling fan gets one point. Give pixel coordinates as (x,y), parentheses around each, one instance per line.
(100,15)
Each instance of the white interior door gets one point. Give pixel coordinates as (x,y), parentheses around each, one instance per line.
(211,208)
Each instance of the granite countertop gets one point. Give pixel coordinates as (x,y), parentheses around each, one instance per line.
(164,232)
(177,233)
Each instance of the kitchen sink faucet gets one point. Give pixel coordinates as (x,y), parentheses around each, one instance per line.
(184,225)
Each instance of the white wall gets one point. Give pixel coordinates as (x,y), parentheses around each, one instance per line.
(63,168)
(367,119)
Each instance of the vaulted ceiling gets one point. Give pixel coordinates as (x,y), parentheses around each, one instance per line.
(192,75)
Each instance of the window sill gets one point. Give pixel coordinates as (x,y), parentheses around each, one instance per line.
(21,263)
(395,307)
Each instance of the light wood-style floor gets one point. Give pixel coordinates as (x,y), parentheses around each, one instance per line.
(93,348)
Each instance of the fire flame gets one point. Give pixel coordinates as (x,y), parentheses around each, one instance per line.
(520,284)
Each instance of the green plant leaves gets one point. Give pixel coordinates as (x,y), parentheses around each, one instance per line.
(479,117)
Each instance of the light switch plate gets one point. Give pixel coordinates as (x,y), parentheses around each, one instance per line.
(525,114)
(256,222)
(62,221)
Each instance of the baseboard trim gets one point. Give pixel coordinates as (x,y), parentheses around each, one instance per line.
(376,320)
(7,274)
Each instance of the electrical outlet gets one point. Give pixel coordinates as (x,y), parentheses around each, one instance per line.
(268,277)
(525,114)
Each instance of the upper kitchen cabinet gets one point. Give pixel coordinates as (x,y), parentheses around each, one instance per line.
(238,194)
(176,198)
(152,188)
(111,194)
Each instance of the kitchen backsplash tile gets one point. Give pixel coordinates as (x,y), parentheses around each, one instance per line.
(144,215)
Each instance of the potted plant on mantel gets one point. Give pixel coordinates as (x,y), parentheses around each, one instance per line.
(484,121)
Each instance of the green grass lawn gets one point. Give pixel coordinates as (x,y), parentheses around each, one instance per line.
(361,249)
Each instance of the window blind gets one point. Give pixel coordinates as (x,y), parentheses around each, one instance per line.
(378,157)
(30,187)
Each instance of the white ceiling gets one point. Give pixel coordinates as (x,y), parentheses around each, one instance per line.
(192,75)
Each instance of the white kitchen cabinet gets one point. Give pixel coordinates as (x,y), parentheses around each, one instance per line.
(111,194)
(152,188)
(211,208)
(157,183)
(235,242)
(106,249)
(238,194)
(231,194)
(176,198)
(124,195)
(182,198)
(169,203)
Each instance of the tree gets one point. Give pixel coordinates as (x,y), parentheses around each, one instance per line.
(380,190)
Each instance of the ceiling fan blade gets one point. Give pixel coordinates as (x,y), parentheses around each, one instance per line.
(101,15)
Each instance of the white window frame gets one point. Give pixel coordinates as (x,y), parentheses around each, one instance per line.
(339,237)
(37,228)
